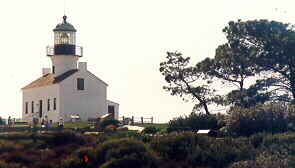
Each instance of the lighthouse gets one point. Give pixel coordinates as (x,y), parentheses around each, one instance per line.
(64,54)
(66,89)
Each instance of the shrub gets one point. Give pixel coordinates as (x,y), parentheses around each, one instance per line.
(178,129)
(197,121)
(256,140)
(174,146)
(25,157)
(125,153)
(108,122)
(65,149)
(274,156)
(259,118)
(66,137)
(9,165)
(72,163)
(150,130)
(201,151)
(132,135)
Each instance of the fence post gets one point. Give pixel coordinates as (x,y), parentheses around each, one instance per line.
(141,120)
(132,122)
(152,120)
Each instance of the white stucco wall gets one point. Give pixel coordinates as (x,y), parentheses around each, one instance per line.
(63,63)
(90,102)
(41,93)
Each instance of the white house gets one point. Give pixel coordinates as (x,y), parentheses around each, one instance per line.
(65,89)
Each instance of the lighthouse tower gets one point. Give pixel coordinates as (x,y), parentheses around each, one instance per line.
(64,54)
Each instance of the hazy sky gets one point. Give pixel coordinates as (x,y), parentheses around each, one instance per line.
(123,42)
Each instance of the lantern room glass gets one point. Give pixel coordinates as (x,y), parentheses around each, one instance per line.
(65,37)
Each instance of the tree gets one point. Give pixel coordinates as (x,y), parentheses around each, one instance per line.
(181,78)
(232,66)
(272,47)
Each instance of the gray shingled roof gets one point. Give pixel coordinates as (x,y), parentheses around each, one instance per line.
(49,80)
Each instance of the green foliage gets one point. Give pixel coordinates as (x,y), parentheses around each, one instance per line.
(173,146)
(125,153)
(72,163)
(256,140)
(201,151)
(108,122)
(274,156)
(151,129)
(9,165)
(232,66)
(197,121)
(181,78)
(178,129)
(269,118)
(66,137)
(124,134)
(272,48)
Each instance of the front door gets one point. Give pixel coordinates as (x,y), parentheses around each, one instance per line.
(111,110)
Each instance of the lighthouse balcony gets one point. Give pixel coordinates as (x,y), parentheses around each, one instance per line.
(64,50)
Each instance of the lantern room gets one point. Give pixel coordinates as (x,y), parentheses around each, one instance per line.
(64,40)
(64,33)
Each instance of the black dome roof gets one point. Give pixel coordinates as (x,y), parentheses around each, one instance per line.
(64,26)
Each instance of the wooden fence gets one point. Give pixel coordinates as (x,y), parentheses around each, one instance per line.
(132,120)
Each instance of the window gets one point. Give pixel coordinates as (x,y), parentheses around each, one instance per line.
(32,106)
(27,107)
(80,83)
(54,104)
(53,69)
(48,104)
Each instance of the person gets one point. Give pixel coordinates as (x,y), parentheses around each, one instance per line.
(9,121)
(47,124)
(42,122)
(61,123)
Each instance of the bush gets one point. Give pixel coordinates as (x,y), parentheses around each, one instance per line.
(174,146)
(7,165)
(197,121)
(125,153)
(259,118)
(150,130)
(121,135)
(72,163)
(178,129)
(201,151)
(26,157)
(108,122)
(66,137)
(274,156)
(256,140)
